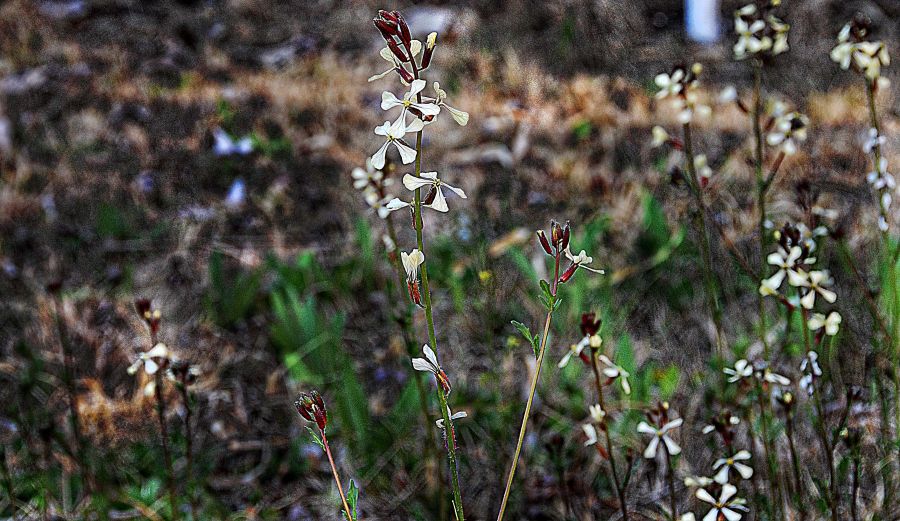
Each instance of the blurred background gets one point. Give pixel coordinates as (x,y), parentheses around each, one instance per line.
(198,153)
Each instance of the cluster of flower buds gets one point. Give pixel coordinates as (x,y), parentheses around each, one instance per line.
(853,50)
(559,238)
(760,33)
(558,245)
(151,316)
(401,49)
(681,84)
(882,181)
(312,408)
(811,372)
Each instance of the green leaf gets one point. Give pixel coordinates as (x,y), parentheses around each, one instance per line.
(316,438)
(353,499)
(545,287)
(524,330)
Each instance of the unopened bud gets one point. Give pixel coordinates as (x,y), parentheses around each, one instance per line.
(404,74)
(312,408)
(398,52)
(544,242)
(405,36)
(568,274)
(429,50)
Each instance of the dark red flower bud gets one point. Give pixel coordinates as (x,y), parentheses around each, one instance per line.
(389,16)
(556,233)
(142,305)
(568,274)
(405,74)
(387,31)
(405,35)
(590,324)
(312,408)
(398,52)
(565,238)
(426,57)
(544,242)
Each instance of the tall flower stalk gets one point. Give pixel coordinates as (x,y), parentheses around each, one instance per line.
(556,247)
(680,84)
(408,59)
(312,408)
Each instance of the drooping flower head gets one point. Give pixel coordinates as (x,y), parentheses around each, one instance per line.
(430,364)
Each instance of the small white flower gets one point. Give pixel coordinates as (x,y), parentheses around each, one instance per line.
(728,95)
(574,350)
(726,464)
(439,203)
(614,371)
(874,140)
(429,364)
(460,116)
(785,261)
(742,369)
(660,434)
(726,505)
(702,168)
(453,416)
(670,85)
(749,42)
(225,145)
(831,323)
(582,260)
(411,262)
(389,100)
(151,360)
(591,433)
(697,481)
(816,282)
(688,516)
(767,375)
(810,363)
(597,413)
(788,130)
(394,133)
(660,136)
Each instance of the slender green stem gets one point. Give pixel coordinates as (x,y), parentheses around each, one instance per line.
(762,185)
(614,474)
(164,434)
(337,478)
(893,350)
(188,445)
(525,416)
(768,450)
(712,295)
(534,382)
(795,464)
(429,319)
(670,474)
